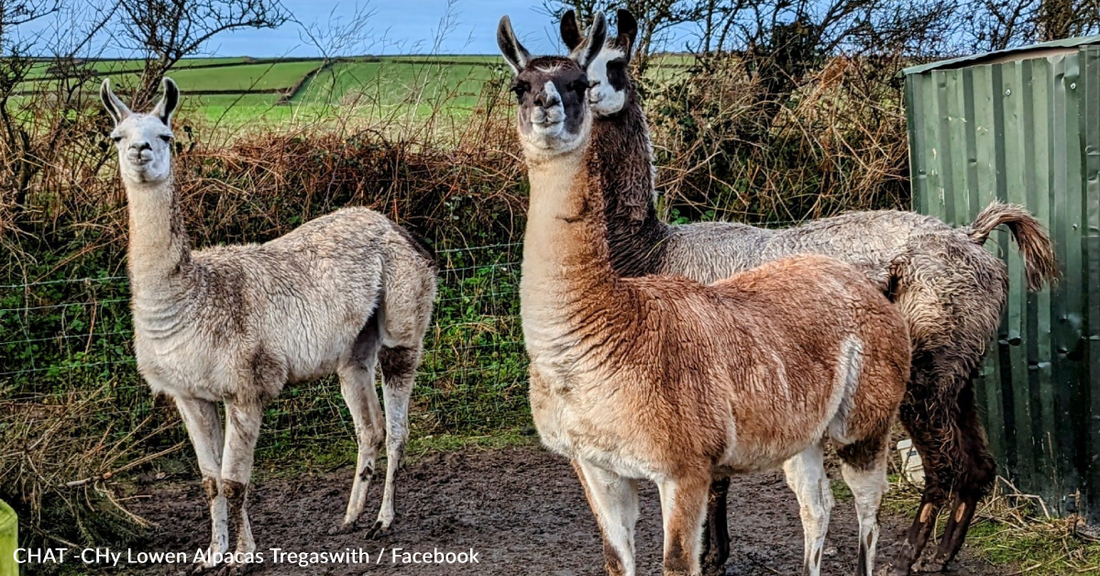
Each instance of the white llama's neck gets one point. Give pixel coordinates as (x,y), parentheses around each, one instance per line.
(159,251)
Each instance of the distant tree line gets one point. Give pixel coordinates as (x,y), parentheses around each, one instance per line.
(777,42)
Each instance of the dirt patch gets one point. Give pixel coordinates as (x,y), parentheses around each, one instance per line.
(521,510)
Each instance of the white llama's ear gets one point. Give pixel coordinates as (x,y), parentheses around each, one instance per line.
(114,106)
(168,102)
(514,53)
(570,32)
(597,35)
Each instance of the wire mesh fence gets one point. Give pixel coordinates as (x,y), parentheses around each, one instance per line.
(68,342)
(62,337)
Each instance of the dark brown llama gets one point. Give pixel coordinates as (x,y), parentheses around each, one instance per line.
(950,290)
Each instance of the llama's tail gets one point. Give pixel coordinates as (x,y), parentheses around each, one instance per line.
(1031,237)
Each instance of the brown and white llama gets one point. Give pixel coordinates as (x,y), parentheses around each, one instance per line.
(234,324)
(665,379)
(950,289)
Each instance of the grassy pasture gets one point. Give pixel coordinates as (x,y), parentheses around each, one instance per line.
(41,70)
(246,78)
(242,78)
(421,86)
(242,90)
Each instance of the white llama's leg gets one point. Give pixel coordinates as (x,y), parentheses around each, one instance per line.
(205,430)
(868,483)
(614,502)
(683,513)
(357,387)
(398,374)
(242,428)
(806,476)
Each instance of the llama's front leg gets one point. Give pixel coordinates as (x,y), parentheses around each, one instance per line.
(205,430)
(242,428)
(683,513)
(614,502)
(398,374)
(357,387)
(806,476)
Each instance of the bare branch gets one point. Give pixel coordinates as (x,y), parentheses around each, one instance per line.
(166,31)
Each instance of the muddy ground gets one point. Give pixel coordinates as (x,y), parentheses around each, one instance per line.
(521,510)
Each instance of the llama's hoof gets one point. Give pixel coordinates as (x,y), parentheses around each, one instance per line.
(343,528)
(934,565)
(203,569)
(242,569)
(894,569)
(237,569)
(711,566)
(377,531)
(710,569)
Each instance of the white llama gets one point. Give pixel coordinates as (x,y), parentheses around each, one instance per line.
(234,324)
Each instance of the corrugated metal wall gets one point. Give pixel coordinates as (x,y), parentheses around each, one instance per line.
(1027,131)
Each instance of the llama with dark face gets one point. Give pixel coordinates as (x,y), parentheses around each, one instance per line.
(950,290)
(672,381)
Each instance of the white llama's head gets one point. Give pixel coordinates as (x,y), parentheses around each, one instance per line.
(144,141)
(553,112)
(608,72)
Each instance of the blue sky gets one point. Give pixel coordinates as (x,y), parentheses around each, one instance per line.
(400,26)
(414,24)
(397,27)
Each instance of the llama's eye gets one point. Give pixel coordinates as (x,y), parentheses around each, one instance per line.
(519,89)
(116,139)
(166,137)
(579,86)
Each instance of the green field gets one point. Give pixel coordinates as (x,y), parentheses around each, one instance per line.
(241,90)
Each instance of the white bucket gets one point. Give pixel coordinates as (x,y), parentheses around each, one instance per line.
(911,465)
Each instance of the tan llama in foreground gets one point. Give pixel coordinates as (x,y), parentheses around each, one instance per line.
(669,380)
(236,323)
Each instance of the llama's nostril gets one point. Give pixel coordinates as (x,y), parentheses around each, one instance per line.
(547,101)
(141,145)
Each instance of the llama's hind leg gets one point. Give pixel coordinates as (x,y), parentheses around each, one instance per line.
(242,428)
(864,471)
(398,374)
(951,445)
(806,476)
(972,483)
(717,549)
(614,503)
(357,387)
(937,476)
(205,430)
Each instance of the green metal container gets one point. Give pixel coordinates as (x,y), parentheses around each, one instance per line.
(1023,126)
(9,538)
